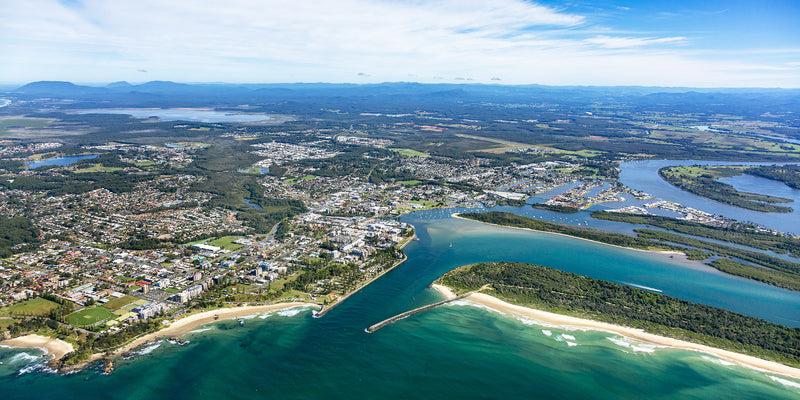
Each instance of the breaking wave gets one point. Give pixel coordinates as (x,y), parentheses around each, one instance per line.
(634,346)
(785,382)
(148,349)
(718,361)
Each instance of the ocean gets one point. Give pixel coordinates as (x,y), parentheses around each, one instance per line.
(460,350)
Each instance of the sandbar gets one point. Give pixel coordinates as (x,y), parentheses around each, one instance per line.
(51,346)
(682,255)
(633,333)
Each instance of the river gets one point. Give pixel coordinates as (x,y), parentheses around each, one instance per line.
(643,175)
(457,351)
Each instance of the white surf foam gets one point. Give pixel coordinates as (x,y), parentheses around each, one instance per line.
(202,330)
(291,312)
(23,358)
(38,367)
(547,333)
(473,304)
(149,348)
(635,346)
(526,321)
(568,339)
(718,361)
(287,312)
(785,382)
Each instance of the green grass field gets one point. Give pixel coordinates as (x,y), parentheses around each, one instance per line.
(37,306)
(226,242)
(88,316)
(426,204)
(411,152)
(114,304)
(98,168)
(410,183)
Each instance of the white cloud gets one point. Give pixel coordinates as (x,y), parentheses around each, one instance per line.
(628,42)
(306,40)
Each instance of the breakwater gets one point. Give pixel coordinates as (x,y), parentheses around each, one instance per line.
(388,321)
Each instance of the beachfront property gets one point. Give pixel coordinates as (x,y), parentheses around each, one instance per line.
(150,310)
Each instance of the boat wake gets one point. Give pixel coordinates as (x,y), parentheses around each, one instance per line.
(643,287)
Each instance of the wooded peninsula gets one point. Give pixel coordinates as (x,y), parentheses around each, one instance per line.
(732,260)
(566,293)
(702,181)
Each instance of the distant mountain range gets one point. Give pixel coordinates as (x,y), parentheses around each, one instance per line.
(166,93)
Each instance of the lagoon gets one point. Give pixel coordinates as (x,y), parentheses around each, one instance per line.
(184,114)
(60,161)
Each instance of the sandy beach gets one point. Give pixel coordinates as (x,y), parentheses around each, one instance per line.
(51,346)
(682,256)
(184,325)
(444,291)
(638,334)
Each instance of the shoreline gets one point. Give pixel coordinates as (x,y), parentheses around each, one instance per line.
(51,346)
(666,252)
(324,310)
(743,360)
(183,326)
(178,327)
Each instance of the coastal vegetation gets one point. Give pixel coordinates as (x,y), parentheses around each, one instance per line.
(788,174)
(702,181)
(571,294)
(555,208)
(780,272)
(763,267)
(738,233)
(617,239)
(93,344)
(766,275)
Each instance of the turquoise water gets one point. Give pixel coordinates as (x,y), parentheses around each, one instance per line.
(456,351)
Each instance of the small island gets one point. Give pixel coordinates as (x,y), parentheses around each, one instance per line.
(613,307)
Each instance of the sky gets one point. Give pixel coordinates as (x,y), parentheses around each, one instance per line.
(684,43)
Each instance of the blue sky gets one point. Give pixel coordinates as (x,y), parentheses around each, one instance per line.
(658,43)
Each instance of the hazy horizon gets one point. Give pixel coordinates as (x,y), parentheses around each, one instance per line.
(16,85)
(715,44)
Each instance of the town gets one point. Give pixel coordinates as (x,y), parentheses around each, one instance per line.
(122,237)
